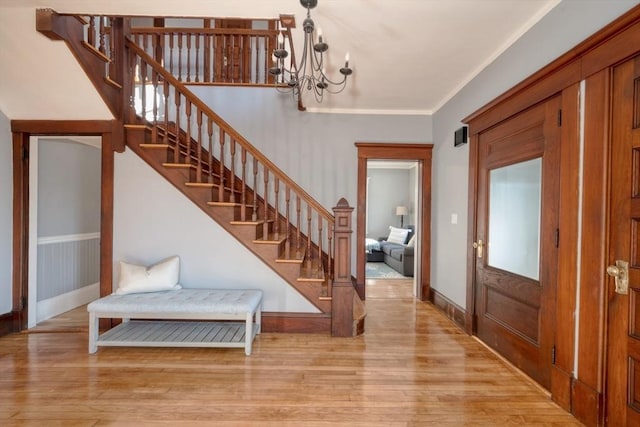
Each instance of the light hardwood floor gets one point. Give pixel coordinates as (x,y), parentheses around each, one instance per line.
(412,367)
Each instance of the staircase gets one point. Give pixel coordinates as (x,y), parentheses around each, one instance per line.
(179,136)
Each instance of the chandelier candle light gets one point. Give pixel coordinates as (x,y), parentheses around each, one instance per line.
(310,74)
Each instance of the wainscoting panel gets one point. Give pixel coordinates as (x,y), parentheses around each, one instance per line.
(67,263)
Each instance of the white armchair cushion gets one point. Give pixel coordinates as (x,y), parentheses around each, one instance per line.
(162,276)
(398,235)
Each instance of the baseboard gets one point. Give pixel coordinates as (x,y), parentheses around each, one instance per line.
(296,322)
(62,303)
(587,404)
(7,323)
(561,387)
(450,309)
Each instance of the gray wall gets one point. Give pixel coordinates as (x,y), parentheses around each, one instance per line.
(388,188)
(565,26)
(6,214)
(317,150)
(68,188)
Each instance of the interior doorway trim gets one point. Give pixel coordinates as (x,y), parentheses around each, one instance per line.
(421,153)
(22,131)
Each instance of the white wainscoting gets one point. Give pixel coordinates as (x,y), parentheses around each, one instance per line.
(68,273)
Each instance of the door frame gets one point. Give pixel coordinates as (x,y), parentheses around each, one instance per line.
(421,153)
(22,131)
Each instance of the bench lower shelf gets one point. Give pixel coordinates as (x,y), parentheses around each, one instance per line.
(157,333)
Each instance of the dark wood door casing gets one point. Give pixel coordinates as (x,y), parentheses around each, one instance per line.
(418,152)
(22,131)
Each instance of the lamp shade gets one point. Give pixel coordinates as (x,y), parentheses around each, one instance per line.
(401,210)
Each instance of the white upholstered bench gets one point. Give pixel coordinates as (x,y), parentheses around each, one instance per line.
(190,306)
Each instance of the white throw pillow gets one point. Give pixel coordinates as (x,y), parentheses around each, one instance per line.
(412,241)
(162,276)
(398,235)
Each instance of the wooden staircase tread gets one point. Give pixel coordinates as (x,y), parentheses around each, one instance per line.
(137,126)
(253,223)
(112,82)
(154,146)
(178,165)
(232,204)
(272,239)
(294,258)
(201,184)
(96,52)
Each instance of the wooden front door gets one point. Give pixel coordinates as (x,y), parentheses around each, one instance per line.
(623,354)
(517,237)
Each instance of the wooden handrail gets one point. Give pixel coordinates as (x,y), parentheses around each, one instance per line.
(230,130)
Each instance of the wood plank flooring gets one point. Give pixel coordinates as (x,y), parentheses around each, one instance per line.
(412,367)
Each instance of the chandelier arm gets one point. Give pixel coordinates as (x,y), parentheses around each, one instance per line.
(309,73)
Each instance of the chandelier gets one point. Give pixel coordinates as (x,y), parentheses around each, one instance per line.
(310,73)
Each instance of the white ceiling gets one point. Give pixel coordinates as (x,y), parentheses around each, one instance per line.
(408,56)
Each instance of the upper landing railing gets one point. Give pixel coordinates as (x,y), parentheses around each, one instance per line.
(196,50)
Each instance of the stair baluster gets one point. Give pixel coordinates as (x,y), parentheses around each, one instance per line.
(243,206)
(199,147)
(265,196)
(276,205)
(254,214)
(232,166)
(287,221)
(210,125)
(222,178)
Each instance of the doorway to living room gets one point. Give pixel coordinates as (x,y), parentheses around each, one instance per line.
(384,238)
(392,212)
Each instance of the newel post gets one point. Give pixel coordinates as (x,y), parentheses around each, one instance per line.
(343,291)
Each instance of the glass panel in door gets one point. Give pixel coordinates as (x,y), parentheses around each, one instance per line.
(514,218)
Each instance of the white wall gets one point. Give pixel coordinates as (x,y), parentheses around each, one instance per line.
(6,214)
(153,220)
(564,27)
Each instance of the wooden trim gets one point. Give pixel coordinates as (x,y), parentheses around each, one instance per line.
(595,231)
(587,404)
(449,308)
(22,131)
(7,325)
(106,215)
(561,387)
(20,227)
(418,152)
(567,275)
(62,127)
(472,215)
(342,287)
(310,323)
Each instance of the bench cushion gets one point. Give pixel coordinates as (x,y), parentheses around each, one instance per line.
(180,301)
